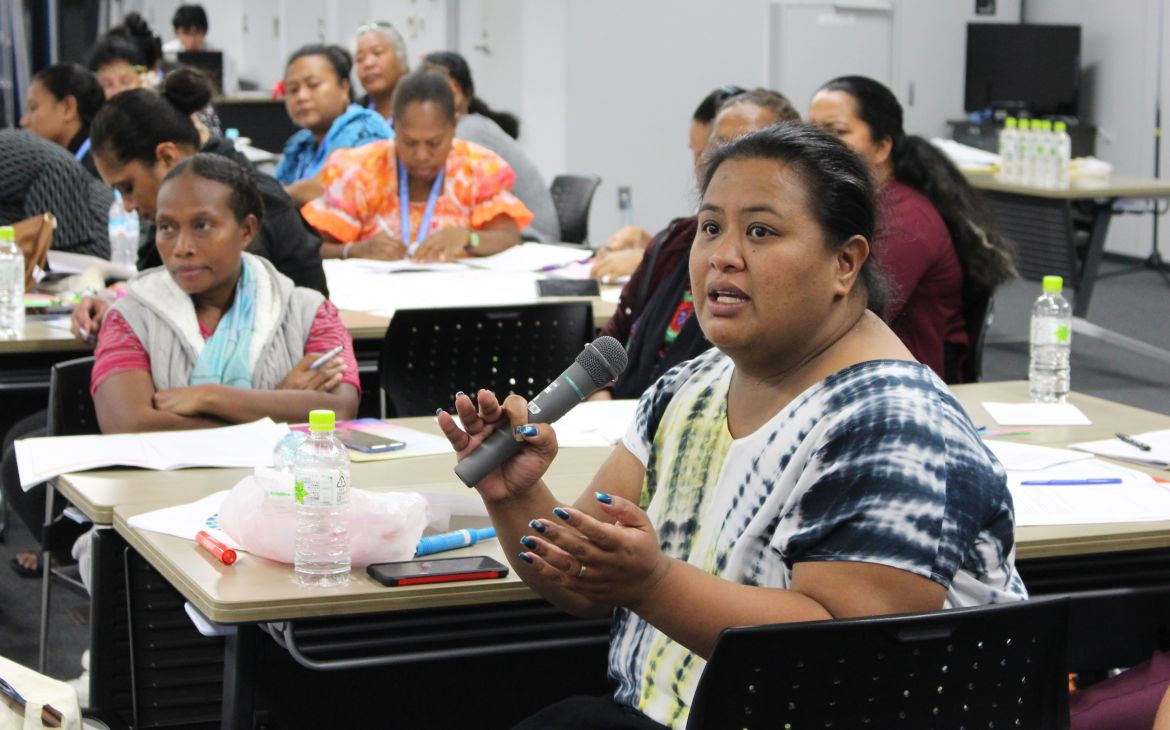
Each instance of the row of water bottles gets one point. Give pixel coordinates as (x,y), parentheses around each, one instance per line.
(1034,152)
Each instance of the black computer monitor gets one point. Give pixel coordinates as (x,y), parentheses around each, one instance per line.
(1023,67)
(263,121)
(209,62)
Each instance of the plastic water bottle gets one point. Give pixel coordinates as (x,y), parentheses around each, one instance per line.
(123,233)
(1008,151)
(1023,149)
(1063,144)
(1051,339)
(11,285)
(321,492)
(285,452)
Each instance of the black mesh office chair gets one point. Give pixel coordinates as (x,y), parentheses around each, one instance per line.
(71,413)
(431,354)
(572,196)
(978,314)
(998,666)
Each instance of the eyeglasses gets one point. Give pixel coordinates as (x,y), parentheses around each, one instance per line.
(375,25)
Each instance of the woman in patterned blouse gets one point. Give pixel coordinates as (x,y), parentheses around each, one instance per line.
(804,468)
(423,195)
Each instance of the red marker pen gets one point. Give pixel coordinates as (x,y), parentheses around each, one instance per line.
(226,555)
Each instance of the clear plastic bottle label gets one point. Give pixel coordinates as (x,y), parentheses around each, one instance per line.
(1050,332)
(322,489)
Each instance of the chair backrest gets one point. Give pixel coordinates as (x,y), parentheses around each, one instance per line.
(431,354)
(572,195)
(978,313)
(71,410)
(998,666)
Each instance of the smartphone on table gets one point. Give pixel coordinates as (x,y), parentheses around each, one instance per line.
(369,443)
(441,570)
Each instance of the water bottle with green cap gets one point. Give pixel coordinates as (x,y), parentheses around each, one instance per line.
(11,285)
(1051,341)
(321,485)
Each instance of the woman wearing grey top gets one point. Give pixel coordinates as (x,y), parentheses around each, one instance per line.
(497,131)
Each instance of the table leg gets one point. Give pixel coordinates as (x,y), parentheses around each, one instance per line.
(239,664)
(1103,212)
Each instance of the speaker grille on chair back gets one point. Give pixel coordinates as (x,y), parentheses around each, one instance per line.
(430,355)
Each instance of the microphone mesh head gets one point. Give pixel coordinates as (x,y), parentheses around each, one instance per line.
(604,359)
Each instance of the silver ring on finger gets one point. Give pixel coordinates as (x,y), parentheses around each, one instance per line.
(581,572)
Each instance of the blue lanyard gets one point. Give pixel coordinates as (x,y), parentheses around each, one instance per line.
(404,207)
(82,150)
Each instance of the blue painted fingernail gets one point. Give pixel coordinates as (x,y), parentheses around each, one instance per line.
(528,542)
(603,497)
(438,411)
(537,525)
(526,430)
(526,557)
(562,513)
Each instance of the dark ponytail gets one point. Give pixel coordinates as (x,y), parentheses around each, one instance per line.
(986,257)
(70,79)
(457,69)
(132,124)
(135,28)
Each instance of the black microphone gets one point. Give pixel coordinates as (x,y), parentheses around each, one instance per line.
(599,364)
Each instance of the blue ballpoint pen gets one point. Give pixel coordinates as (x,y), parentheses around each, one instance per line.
(1073,482)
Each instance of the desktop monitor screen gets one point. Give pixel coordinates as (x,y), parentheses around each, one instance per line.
(1023,67)
(209,62)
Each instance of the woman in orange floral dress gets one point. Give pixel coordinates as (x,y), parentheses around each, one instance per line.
(423,195)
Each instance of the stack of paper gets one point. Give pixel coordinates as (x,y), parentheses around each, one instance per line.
(248,444)
(595,423)
(1135,498)
(530,257)
(1158,455)
(1037,414)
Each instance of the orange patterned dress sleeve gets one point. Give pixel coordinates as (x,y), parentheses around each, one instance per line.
(358,182)
(485,186)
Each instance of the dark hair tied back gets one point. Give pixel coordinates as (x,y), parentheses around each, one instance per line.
(71,79)
(132,124)
(245,198)
(339,59)
(837,185)
(187,89)
(421,86)
(713,102)
(456,67)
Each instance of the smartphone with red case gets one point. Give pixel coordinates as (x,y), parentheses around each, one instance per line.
(441,570)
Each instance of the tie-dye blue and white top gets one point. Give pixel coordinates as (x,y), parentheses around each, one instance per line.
(877,463)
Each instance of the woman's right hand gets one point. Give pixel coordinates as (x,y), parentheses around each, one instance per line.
(628,237)
(519,472)
(325,378)
(86,319)
(379,246)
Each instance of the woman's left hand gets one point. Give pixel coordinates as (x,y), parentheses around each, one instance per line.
(445,244)
(186,401)
(615,564)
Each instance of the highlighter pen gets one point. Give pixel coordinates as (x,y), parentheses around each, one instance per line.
(452,540)
(326,357)
(226,555)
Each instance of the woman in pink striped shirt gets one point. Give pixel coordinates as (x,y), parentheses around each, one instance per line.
(217,335)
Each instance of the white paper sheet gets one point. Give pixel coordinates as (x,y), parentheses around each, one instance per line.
(530,257)
(1158,455)
(1025,457)
(595,423)
(1137,499)
(186,520)
(248,444)
(1037,414)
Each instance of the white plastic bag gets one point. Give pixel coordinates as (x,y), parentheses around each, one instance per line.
(383,526)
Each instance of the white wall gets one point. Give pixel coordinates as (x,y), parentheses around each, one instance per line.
(1119,43)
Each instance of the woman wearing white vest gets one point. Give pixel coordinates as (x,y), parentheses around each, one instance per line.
(217,335)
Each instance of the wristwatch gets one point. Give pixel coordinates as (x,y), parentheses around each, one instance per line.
(472,241)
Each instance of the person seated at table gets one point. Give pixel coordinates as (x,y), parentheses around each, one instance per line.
(320,101)
(935,238)
(805,468)
(655,314)
(190,25)
(424,195)
(38,176)
(478,123)
(381,62)
(622,253)
(127,57)
(62,102)
(216,335)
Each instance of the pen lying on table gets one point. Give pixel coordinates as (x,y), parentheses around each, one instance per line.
(1072,482)
(1133,442)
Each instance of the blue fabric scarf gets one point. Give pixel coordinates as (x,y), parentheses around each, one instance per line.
(224,359)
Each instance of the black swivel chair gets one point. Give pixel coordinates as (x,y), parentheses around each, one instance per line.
(978,314)
(431,354)
(71,413)
(998,666)
(572,196)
